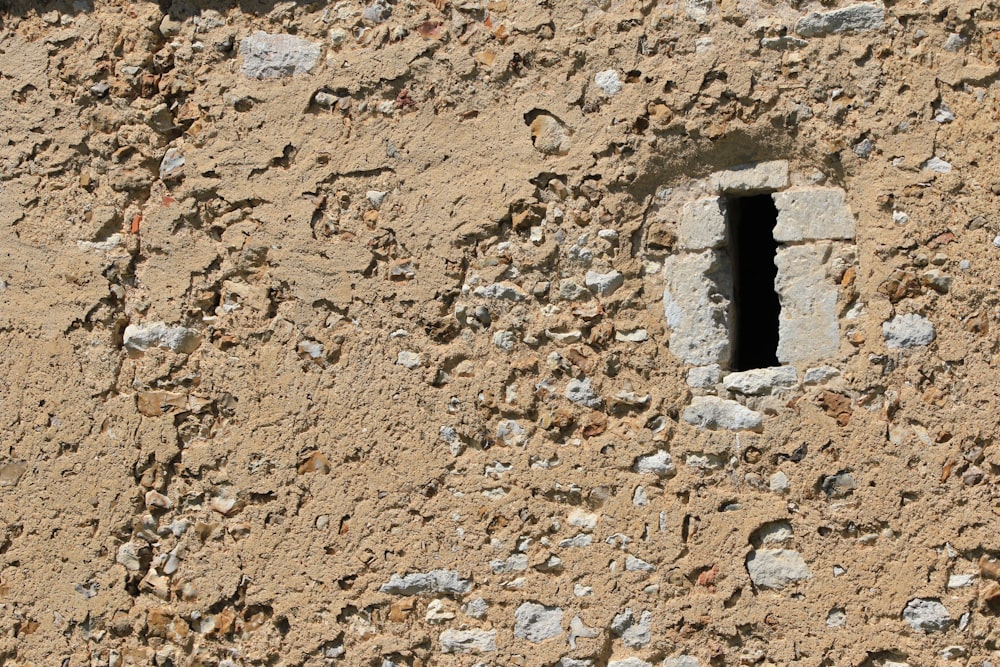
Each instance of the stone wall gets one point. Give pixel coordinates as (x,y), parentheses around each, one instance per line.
(396,334)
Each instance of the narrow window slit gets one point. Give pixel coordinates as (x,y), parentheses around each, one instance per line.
(755,302)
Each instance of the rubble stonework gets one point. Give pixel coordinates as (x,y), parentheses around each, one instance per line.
(401,334)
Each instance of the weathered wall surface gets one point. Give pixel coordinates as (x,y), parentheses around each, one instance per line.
(335,334)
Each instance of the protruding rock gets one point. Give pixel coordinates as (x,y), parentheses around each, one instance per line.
(776,568)
(537,622)
(604,284)
(420,583)
(757,177)
(549,136)
(582,393)
(712,413)
(468,641)
(862,17)
(140,337)
(905,331)
(267,56)
(761,381)
(658,463)
(928,615)
(704,377)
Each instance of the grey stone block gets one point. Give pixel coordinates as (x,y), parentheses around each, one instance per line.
(810,214)
(267,56)
(753,178)
(703,224)
(905,331)
(777,568)
(713,413)
(761,381)
(808,330)
(862,17)
(697,299)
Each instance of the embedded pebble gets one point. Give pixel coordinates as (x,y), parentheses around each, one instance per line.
(468,641)
(820,374)
(582,393)
(906,331)
(476,608)
(438,612)
(711,412)
(630,662)
(634,630)
(927,615)
(172,164)
(776,568)
(140,337)
(604,284)
(537,622)
(420,583)
(408,359)
(608,82)
(778,482)
(681,661)
(658,463)
(861,17)
(578,630)
(504,291)
(267,56)
(633,564)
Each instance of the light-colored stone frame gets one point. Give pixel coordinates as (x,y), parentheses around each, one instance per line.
(698,281)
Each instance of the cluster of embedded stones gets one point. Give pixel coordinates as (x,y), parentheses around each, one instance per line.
(815,231)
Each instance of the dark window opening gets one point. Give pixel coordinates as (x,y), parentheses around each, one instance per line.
(755,302)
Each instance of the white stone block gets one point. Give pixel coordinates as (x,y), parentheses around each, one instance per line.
(712,412)
(702,224)
(697,299)
(751,178)
(809,214)
(776,568)
(761,381)
(808,330)
(704,377)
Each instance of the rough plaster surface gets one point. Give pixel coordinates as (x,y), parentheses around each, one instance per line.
(354,439)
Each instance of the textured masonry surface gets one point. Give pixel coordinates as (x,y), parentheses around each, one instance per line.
(395,334)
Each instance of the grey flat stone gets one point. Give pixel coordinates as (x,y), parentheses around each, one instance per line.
(777,568)
(697,300)
(811,214)
(711,412)
(435,581)
(751,178)
(904,331)
(267,56)
(928,615)
(702,224)
(808,328)
(862,17)
(761,381)
(537,622)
